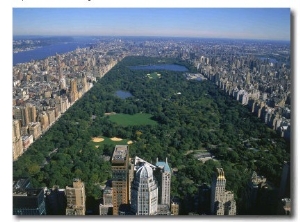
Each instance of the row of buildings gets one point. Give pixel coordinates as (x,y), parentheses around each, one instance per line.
(263,87)
(44,90)
(138,187)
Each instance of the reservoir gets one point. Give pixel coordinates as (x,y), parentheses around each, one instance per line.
(268,59)
(170,67)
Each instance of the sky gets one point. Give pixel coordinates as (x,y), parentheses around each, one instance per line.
(240,23)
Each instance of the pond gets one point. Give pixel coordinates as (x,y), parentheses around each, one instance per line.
(123,94)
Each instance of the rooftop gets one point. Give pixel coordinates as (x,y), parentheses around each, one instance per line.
(120,153)
(163,165)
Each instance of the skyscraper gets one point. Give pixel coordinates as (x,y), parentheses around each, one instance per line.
(21,113)
(85,86)
(164,182)
(248,78)
(44,120)
(284,189)
(222,201)
(31,112)
(27,200)
(17,140)
(105,208)
(56,202)
(144,191)
(252,191)
(76,198)
(120,177)
(73,90)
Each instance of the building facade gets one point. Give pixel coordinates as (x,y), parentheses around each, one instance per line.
(76,198)
(27,200)
(106,207)
(222,201)
(164,182)
(144,192)
(120,177)
(17,140)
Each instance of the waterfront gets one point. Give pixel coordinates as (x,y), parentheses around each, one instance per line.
(46,51)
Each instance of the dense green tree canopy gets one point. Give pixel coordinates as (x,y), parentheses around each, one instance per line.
(200,117)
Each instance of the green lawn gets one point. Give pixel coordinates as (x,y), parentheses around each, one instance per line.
(131,120)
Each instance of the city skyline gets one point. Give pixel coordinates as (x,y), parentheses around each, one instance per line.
(236,23)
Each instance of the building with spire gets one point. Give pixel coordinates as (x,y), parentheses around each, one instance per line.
(144,191)
(163,173)
(222,201)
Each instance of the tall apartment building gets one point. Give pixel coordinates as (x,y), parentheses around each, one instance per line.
(27,141)
(73,90)
(51,115)
(144,192)
(106,207)
(65,104)
(21,113)
(35,129)
(17,139)
(222,201)
(164,182)
(27,200)
(56,202)
(162,176)
(120,177)
(85,86)
(204,199)
(31,109)
(254,185)
(44,120)
(62,83)
(284,189)
(76,198)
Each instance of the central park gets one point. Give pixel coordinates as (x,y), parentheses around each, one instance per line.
(168,116)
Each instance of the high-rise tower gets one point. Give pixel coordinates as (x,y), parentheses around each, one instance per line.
(164,181)
(21,113)
(17,140)
(144,192)
(222,201)
(76,198)
(73,90)
(120,174)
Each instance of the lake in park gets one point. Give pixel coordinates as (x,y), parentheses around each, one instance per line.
(170,67)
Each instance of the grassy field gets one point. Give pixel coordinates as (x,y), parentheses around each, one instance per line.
(131,120)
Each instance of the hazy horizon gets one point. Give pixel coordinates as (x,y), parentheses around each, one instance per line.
(220,23)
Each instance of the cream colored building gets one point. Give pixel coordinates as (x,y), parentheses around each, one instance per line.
(76,198)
